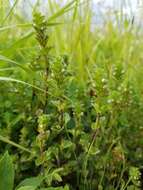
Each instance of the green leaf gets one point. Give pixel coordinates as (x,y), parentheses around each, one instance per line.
(57,177)
(53,188)
(66,187)
(27,188)
(33,182)
(71,124)
(6,173)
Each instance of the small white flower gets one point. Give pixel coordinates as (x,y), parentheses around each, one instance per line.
(104,80)
(110,101)
(63,70)
(123,71)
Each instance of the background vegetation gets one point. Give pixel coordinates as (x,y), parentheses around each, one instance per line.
(71,103)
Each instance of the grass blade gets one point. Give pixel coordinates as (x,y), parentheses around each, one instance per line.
(10,12)
(4,28)
(62,11)
(6,140)
(8,79)
(5,59)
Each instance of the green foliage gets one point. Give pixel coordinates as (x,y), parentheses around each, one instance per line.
(32,182)
(6,172)
(71,108)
